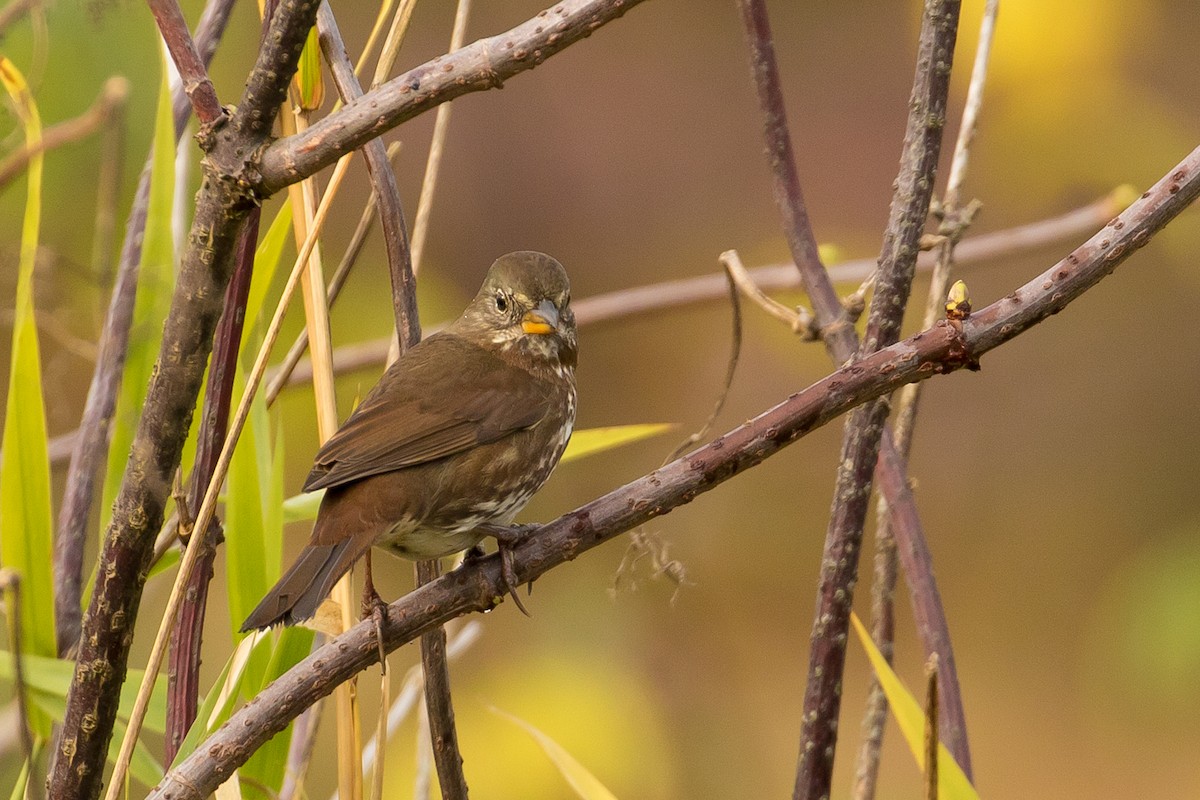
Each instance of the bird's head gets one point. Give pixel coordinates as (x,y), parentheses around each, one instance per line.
(524,309)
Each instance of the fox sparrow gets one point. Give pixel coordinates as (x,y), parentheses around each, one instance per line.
(451,443)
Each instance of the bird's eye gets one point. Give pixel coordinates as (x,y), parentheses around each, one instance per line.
(501,303)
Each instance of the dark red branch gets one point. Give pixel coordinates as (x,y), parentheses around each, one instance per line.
(192,72)
(864,430)
(183,673)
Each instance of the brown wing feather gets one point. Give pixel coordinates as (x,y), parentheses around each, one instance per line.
(412,417)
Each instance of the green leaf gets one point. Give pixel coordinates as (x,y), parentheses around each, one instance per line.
(268,764)
(144,766)
(52,678)
(952,783)
(26,516)
(249,574)
(596,440)
(18,792)
(266,264)
(302,506)
(585,784)
(156,279)
(309,82)
(583,444)
(218,704)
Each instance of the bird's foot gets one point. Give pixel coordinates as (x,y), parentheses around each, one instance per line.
(375,607)
(507,537)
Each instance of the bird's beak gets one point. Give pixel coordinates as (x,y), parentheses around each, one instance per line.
(541,320)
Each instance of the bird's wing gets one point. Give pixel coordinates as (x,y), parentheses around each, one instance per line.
(442,397)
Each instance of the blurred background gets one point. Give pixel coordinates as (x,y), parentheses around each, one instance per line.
(1064,518)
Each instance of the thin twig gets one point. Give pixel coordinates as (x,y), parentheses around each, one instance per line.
(474,587)
(443,736)
(864,430)
(931,728)
(434,162)
(10,585)
(391,211)
(366,221)
(885,572)
(108,187)
(108,105)
(90,449)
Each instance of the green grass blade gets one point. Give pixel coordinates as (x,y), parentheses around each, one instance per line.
(596,440)
(952,783)
(52,678)
(266,263)
(585,784)
(156,279)
(249,575)
(26,521)
(267,766)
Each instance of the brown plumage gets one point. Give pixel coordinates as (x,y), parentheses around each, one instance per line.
(458,434)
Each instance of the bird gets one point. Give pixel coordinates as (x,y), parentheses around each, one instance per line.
(450,444)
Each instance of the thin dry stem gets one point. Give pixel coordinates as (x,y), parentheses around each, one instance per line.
(434,161)
(393,42)
(10,585)
(931,728)
(108,106)
(366,221)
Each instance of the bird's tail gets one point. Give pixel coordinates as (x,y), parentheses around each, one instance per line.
(308,582)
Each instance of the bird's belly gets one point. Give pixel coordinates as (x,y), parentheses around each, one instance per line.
(416,544)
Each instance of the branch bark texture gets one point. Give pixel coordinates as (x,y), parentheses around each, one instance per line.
(479,586)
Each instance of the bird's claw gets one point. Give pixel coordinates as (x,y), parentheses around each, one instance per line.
(375,607)
(507,537)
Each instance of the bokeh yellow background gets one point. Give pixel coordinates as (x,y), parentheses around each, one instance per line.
(1057,486)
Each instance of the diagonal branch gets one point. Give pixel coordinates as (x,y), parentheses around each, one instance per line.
(484,64)
(477,587)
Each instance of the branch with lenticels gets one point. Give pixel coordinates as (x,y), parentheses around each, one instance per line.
(945,347)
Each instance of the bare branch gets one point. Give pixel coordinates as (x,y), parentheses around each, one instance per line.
(478,586)
(183,686)
(484,64)
(884,585)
